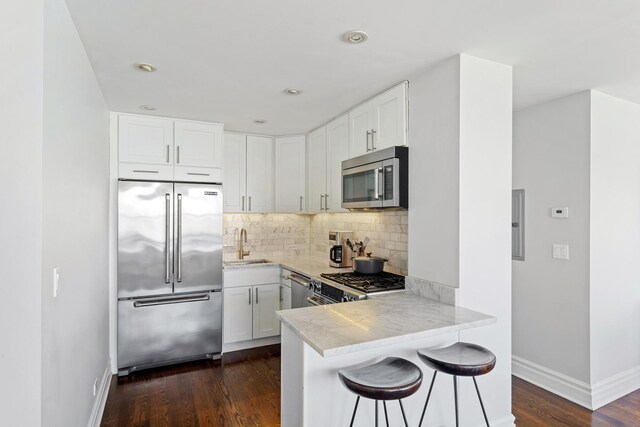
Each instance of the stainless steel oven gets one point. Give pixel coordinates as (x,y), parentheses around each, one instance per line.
(378,180)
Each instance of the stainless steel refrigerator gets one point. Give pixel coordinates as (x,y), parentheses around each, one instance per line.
(169,273)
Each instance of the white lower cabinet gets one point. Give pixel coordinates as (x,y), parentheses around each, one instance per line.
(285,297)
(250,312)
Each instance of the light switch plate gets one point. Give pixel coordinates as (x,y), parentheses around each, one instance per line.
(56,281)
(561,251)
(560,212)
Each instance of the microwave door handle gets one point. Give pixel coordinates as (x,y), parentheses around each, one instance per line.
(378,178)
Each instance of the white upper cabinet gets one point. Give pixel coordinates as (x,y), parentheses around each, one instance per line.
(259,174)
(290,180)
(234,179)
(317,170)
(147,140)
(198,144)
(156,148)
(337,151)
(380,122)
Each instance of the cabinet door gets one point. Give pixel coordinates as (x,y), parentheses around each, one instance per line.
(337,151)
(265,304)
(390,118)
(285,297)
(234,173)
(145,140)
(317,175)
(259,174)
(290,174)
(360,125)
(238,314)
(198,144)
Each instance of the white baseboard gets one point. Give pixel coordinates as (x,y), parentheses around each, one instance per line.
(243,345)
(101,397)
(557,383)
(508,421)
(615,387)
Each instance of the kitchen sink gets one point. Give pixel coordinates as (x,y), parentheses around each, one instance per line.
(248,261)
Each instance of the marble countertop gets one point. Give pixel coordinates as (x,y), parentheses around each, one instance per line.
(344,328)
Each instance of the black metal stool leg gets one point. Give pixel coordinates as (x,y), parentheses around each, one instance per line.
(433,380)
(386,416)
(486,420)
(406,424)
(376,413)
(353,417)
(455,396)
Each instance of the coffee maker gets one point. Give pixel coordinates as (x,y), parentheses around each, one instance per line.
(339,253)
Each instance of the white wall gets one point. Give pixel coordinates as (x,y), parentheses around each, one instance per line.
(615,238)
(550,296)
(21,37)
(75,225)
(460,206)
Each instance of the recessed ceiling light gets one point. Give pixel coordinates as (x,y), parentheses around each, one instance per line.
(292,91)
(260,121)
(143,66)
(355,36)
(148,107)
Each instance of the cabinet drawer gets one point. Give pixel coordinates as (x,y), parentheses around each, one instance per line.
(146,171)
(251,276)
(194,174)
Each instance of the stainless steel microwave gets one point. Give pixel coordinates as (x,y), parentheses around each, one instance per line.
(377,180)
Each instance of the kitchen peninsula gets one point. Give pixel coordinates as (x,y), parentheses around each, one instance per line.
(317,341)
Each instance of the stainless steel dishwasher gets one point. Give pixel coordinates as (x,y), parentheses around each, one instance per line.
(300,291)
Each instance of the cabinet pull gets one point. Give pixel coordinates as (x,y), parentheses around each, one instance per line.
(199,174)
(168,152)
(257,296)
(321,198)
(242,203)
(326,202)
(373,140)
(300,203)
(368,133)
(178,154)
(249,203)
(143,171)
(249,296)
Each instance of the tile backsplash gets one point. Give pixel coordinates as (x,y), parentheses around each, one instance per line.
(277,235)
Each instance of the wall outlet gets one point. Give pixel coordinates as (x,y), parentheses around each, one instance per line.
(561,251)
(56,281)
(560,212)
(95,387)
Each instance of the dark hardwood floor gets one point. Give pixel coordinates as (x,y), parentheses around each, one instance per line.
(244,390)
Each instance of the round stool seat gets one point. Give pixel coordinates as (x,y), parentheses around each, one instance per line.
(389,379)
(460,359)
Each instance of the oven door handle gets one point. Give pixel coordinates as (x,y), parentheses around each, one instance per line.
(313,302)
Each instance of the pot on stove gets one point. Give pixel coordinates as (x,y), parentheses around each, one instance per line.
(368,264)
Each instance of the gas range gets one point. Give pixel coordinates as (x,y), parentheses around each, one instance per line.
(345,287)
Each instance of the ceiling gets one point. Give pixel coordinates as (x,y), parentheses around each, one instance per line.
(230,60)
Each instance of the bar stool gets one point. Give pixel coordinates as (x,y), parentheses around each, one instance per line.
(460,360)
(389,379)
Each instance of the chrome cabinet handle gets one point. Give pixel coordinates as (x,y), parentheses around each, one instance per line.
(167,237)
(368,133)
(377,183)
(300,203)
(242,203)
(257,296)
(326,202)
(168,152)
(198,174)
(179,237)
(321,198)
(373,140)
(281,298)
(249,296)
(249,203)
(177,154)
(144,171)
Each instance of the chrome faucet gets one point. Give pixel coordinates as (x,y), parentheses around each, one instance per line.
(241,241)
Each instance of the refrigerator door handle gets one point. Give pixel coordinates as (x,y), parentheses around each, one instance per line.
(179,238)
(154,302)
(167,238)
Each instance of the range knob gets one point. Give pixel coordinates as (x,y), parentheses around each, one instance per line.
(315,286)
(348,298)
